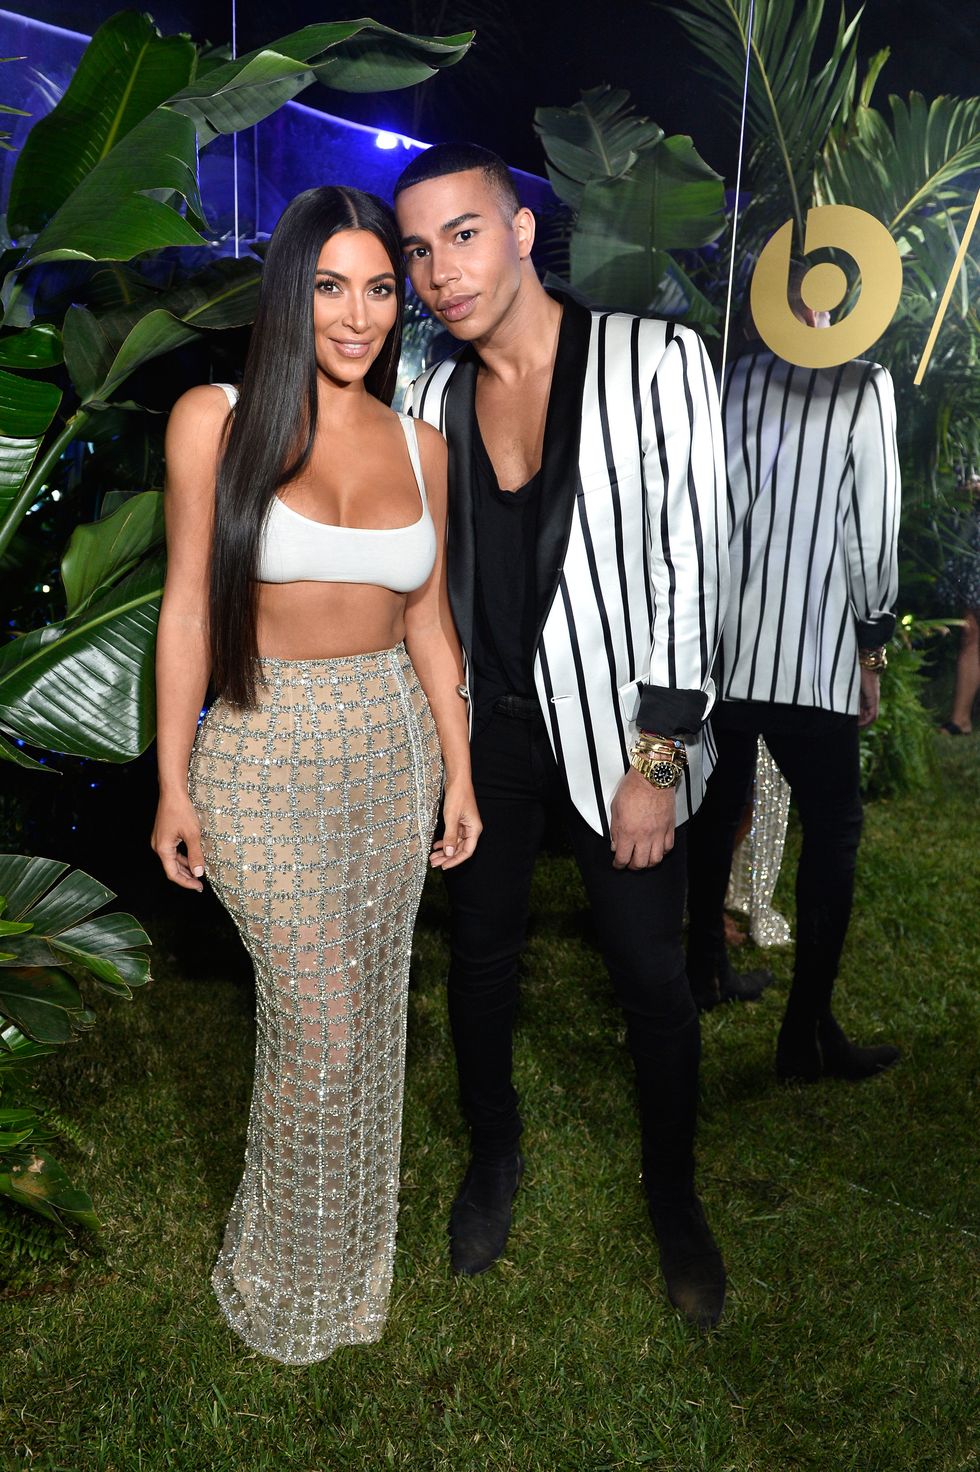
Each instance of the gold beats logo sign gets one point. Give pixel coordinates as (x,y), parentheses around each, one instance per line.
(824,287)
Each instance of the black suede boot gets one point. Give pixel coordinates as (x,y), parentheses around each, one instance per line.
(479,1222)
(725,984)
(844,1059)
(823,1050)
(690,1259)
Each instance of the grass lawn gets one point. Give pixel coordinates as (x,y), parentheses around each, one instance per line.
(847,1215)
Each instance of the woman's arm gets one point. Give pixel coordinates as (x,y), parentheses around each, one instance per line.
(433,647)
(183,659)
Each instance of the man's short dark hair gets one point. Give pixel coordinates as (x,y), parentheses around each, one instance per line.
(458,158)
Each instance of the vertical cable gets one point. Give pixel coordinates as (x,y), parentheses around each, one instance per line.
(738,188)
(234,136)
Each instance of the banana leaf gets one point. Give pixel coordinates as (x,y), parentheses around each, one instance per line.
(102,351)
(96,370)
(84,685)
(101,552)
(599,138)
(11,752)
(33,347)
(27,407)
(17,455)
(33,1178)
(117,210)
(351,56)
(670,199)
(126,71)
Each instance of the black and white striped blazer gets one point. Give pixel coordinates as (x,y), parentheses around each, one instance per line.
(632,563)
(813,499)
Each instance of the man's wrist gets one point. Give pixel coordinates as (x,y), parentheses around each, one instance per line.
(874,660)
(660,760)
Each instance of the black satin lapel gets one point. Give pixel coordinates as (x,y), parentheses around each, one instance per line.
(461,548)
(559,461)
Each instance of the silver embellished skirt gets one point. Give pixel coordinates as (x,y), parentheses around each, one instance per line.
(317,809)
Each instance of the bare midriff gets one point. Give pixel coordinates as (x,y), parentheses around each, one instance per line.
(309,620)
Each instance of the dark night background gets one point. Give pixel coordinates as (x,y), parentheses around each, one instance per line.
(530,54)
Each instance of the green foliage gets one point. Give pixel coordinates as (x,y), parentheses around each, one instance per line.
(128,70)
(83,685)
(793,101)
(814,138)
(898,753)
(638,200)
(52,941)
(109,176)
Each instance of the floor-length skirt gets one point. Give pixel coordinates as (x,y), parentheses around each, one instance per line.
(317,808)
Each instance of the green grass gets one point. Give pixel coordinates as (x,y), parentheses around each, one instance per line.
(847,1214)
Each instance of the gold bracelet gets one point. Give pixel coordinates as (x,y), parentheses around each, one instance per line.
(659,749)
(673,741)
(873,659)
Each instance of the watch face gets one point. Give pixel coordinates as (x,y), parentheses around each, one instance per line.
(664,774)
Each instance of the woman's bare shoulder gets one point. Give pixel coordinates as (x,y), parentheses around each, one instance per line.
(429,436)
(202,409)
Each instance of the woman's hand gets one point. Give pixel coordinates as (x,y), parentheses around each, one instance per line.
(461,827)
(176,822)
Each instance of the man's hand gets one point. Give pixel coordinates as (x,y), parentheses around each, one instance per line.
(643,818)
(870,690)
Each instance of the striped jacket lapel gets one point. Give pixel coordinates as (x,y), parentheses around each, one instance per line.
(458,420)
(560,456)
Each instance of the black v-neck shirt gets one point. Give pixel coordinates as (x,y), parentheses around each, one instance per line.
(505,607)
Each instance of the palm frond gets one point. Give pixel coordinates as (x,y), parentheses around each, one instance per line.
(792,102)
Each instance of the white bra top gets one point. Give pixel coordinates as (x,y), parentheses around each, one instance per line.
(295,548)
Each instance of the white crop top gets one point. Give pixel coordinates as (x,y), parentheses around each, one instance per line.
(295,548)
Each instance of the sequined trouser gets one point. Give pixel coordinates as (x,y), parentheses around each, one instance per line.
(317,807)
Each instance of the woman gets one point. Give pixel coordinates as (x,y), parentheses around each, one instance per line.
(303,580)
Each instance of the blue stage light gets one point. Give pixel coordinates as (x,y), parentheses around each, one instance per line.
(386,140)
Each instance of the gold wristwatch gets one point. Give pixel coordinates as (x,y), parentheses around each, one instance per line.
(662,760)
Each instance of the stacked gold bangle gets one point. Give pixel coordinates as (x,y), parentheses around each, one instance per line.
(660,759)
(873,659)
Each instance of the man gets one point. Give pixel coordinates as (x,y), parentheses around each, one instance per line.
(587,566)
(814,497)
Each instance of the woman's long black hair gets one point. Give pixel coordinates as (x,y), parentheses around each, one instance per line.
(274,426)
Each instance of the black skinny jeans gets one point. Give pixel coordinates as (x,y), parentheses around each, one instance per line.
(638,917)
(817,753)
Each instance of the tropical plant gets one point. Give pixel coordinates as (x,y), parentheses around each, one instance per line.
(104,184)
(52,943)
(898,753)
(110,268)
(792,102)
(641,203)
(815,138)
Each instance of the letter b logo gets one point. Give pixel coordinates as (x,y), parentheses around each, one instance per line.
(868,242)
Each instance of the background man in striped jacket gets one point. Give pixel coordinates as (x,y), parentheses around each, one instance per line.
(813,502)
(587,566)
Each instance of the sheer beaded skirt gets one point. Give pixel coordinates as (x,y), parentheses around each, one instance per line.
(317,810)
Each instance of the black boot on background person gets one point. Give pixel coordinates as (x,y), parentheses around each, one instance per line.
(479,1223)
(713,984)
(809,1050)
